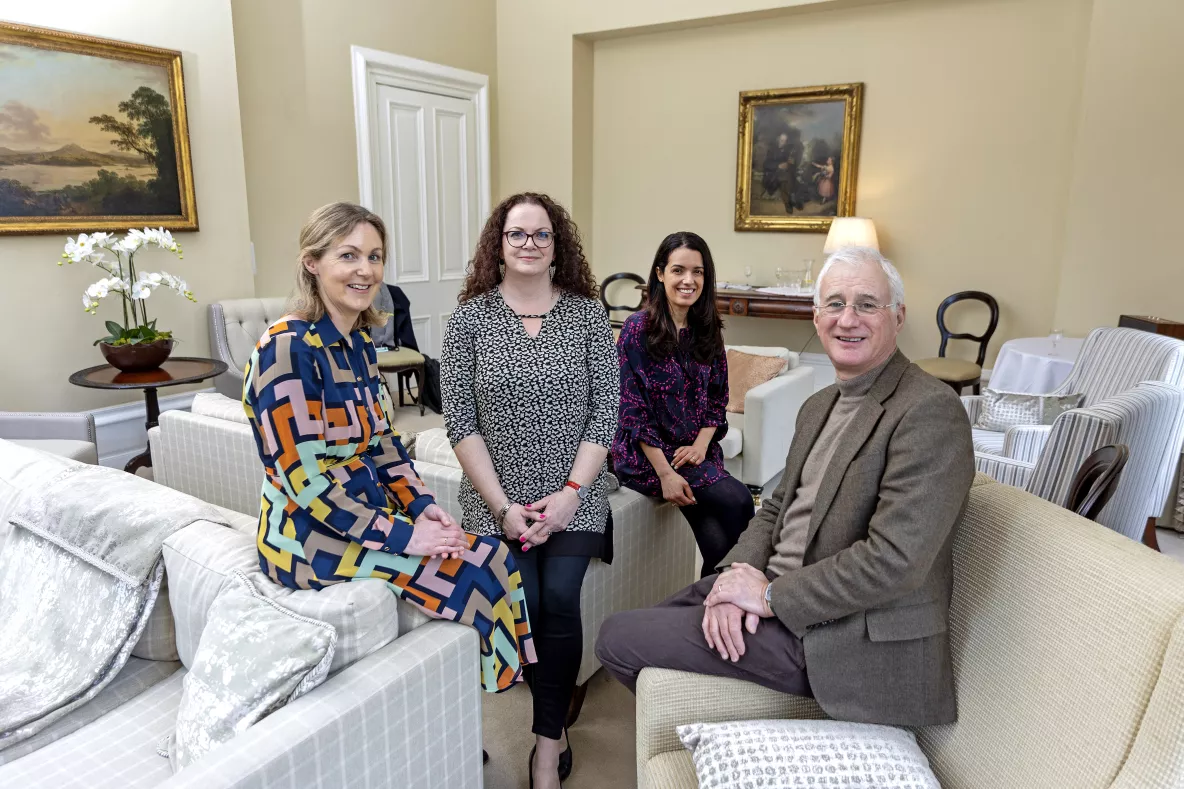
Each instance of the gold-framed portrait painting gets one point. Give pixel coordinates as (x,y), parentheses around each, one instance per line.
(797,157)
(93,135)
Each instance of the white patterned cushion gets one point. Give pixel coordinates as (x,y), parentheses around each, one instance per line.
(218,406)
(433,446)
(1001,410)
(255,656)
(200,559)
(820,753)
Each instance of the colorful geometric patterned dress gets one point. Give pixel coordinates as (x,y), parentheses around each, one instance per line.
(340,493)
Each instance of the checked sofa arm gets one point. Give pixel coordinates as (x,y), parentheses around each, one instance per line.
(409,715)
(667,699)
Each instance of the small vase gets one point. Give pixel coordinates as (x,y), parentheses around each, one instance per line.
(137,358)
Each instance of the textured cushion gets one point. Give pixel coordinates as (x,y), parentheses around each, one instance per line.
(82,451)
(433,446)
(159,639)
(136,677)
(745,371)
(782,752)
(200,559)
(947,369)
(1001,410)
(404,357)
(255,656)
(218,406)
(790,358)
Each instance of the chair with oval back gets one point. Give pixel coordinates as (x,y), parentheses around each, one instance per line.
(960,373)
(611,308)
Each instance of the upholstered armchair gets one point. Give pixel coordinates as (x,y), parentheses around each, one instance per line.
(1132,383)
(68,435)
(758,439)
(235,326)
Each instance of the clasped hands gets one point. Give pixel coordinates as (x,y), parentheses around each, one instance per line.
(533,523)
(435,533)
(736,603)
(675,488)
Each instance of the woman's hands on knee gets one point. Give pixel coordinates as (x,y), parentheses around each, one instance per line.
(677,490)
(435,533)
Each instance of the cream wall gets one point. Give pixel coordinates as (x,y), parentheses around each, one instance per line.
(994,189)
(296,89)
(48,335)
(1122,254)
(956,165)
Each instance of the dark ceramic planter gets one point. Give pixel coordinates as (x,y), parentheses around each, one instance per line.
(137,358)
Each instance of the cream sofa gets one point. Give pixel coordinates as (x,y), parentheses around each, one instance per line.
(1068,645)
(210,453)
(407,713)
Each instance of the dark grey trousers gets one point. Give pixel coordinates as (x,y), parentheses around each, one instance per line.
(670,635)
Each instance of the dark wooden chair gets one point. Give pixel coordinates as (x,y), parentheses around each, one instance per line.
(611,308)
(960,373)
(1096,480)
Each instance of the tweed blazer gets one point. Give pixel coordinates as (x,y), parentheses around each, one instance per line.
(871,600)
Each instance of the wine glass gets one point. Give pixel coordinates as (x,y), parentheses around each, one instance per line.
(780,274)
(1056,335)
(808,273)
(748,276)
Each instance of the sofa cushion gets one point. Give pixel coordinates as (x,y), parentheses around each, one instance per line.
(732,443)
(433,446)
(747,371)
(135,678)
(118,751)
(1003,410)
(218,406)
(731,755)
(254,657)
(987,441)
(199,560)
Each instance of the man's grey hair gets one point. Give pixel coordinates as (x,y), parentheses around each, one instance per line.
(863,256)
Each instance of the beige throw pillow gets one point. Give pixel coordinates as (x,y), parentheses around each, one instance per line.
(1003,410)
(748,370)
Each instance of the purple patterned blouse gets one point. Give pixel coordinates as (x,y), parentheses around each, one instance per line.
(665,403)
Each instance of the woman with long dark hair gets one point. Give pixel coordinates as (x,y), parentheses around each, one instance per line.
(529,382)
(674,396)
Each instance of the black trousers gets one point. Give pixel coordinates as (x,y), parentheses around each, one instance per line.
(718,517)
(552,588)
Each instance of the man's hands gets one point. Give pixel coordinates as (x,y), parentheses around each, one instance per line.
(744,586)
(721,628)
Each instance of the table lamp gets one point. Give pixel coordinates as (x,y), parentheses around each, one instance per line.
(850,231)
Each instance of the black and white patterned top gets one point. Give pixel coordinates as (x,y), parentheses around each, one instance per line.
(533,400)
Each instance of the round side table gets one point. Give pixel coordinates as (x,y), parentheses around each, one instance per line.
(174,372)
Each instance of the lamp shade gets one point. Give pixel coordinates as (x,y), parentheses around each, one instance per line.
(850,231)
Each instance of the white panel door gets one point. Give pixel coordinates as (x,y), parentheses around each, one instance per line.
(425,189)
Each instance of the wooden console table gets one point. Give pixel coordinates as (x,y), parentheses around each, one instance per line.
(754,304)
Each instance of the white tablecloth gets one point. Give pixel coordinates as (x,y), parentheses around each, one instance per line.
(1028,365)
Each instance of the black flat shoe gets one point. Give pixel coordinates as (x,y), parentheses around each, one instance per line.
(564,765)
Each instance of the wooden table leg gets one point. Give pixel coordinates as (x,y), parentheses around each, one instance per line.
(144,459)
(1150,538)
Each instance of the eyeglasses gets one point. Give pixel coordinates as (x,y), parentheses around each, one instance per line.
(542,238)
(864,309)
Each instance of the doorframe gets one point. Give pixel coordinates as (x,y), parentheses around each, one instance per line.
(372,67)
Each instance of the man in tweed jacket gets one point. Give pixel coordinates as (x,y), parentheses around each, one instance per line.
(840,586)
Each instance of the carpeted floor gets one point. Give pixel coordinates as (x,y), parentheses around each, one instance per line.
(601,741)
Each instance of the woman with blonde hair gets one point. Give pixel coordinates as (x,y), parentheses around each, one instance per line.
(530,383)
(341,498)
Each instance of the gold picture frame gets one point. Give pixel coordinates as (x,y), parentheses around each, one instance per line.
(789,177)
(93,135)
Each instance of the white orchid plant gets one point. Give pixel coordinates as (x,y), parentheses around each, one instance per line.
(122,280)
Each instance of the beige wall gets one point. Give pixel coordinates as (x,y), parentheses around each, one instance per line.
(1121,250)
(956,165)
(982,125)
(296,89)
(49,336)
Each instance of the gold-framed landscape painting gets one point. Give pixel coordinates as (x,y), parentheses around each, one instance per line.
(797,157)
(93,135)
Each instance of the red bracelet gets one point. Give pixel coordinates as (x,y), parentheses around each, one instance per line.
(574,485)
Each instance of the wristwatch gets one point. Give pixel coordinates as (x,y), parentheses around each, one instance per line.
(581,490)
(769,595)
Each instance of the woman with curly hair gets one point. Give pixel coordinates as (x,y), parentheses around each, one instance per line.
(530,386)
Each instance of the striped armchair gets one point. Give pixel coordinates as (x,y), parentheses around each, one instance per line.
(1132,385)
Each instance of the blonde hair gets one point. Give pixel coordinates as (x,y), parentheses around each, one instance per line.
(324,227)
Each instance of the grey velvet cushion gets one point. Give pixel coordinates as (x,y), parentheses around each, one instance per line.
(1003,410)
(255,656)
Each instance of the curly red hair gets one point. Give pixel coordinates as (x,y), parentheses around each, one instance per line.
(572,271)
